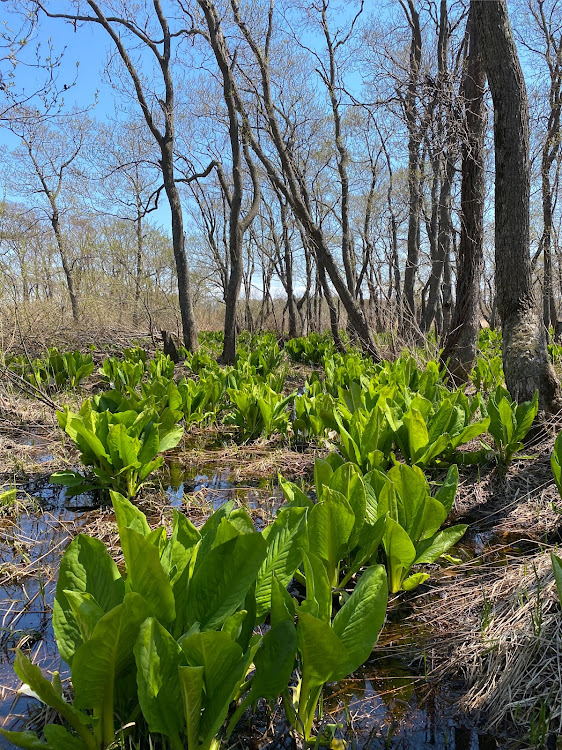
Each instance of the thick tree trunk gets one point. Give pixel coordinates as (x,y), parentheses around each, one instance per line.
(461,338)
(525,358)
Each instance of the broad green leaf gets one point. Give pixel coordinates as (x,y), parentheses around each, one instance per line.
(400,553)
(412,489)
(192,687)
(360,620)
(417,433)
(170,439)
(222,579)
(225,666)
(59,738)
(525,415)
(285,539)
(318,600)
(434,514)
(107,655)
(348,480)
(123,450)
(86,611)
(294,496)
(27,740)
(128,515)
(323,655)
(158,658)
(322,475)
(86,567)
(275,660)
(181,546)
(330,524)
(146,577)
(429,550)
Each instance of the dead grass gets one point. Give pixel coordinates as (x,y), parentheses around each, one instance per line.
(501,629)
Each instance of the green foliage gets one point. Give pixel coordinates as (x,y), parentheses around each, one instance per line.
(556,462)
(487,373)
(429,431)
(312,415)
(412,534)
(258,410)
(161,367)
(264,358)
(509,422)
(120,449)
(324,648)
(171,634)
(55,371)
(122,375)
(310,349)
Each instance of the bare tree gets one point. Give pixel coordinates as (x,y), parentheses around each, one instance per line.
(153,35)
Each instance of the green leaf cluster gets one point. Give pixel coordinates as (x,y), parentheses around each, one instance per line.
(120,449)
(509,422)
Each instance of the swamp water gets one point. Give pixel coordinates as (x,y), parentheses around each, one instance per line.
(384,705)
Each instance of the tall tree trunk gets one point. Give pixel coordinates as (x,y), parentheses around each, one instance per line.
(526,363)
(138,272)
(414,170)
(461,338)
(178,242)
(55,223)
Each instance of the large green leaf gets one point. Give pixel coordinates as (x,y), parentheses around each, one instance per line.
(275,660)
(86,567)
(146,577)
(359,621)
(158,658)
(285,539)
(418,438)
(318,600)
(192,685)
(108,654)
(400,553)
(224,666)
(348,480)
(128,515)
(170,439)
(330,524)
(27,740)
(429,550)
(323,655)
(123,450)
(220,583)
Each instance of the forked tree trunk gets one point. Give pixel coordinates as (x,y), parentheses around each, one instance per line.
(525,358)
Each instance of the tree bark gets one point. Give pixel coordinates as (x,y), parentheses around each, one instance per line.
(461,338)
(527,367)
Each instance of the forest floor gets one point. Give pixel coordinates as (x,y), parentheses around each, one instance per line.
(470,659)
